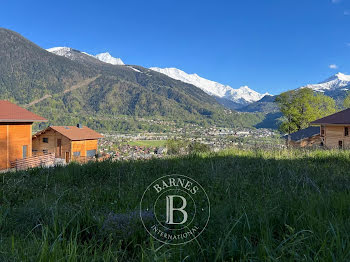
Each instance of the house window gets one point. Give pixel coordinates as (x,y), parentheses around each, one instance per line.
(24,151)
(346,131)
(340,144)
(45,140)
(76,153)
(91,153)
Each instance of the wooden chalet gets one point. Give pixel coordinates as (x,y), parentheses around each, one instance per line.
(77,143)
(335,129)
(307,137)
(15,133)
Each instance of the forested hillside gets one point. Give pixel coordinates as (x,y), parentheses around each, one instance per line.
(89,91)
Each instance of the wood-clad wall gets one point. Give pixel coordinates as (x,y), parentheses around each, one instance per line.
(67,146)
(13,136)
(83,146)
(40,147)
(3,147)
(334,134)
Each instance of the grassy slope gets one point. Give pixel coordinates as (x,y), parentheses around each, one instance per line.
(283,205)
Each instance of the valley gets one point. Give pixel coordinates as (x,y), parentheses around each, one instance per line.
(168,131)
(70,86)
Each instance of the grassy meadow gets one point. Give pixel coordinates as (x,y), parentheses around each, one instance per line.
(147,143)
(265,206)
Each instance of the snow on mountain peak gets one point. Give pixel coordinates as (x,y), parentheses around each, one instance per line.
(61,51)
(107,58)
(104,57)
(342,77)
(242,95)
(339,80)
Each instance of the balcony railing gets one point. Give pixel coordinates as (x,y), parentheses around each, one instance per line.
(34,161)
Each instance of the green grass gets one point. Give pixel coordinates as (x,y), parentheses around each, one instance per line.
(147,143)
(265,206)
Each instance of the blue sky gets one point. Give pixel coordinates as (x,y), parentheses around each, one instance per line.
(269,45)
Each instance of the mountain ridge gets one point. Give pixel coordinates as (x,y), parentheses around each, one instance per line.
(103,57)
(336,81)
(29,73)
(241,96)
(335,86)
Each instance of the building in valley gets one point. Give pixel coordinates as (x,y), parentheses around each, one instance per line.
(15,133)
(305,137)
(335,129)
(67,142)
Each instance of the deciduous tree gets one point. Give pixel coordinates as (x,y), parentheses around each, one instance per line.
(302,106)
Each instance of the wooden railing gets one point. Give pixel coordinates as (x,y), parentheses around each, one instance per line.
(34,161)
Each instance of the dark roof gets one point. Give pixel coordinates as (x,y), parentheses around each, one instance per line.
(304,133)
(342,117)
(10,112)
(73,132)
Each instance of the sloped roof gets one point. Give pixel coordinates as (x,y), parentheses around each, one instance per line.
(342,117)
(10,112)
(304,133)
(73,132)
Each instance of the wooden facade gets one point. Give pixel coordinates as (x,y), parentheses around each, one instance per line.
(335,129)
(335,136)
(64,146)
(15,133)
(15,142)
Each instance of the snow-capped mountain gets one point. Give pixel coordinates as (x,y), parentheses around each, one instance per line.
(107,58)
(72,54)
(61,51)
(242,95)
(335,82)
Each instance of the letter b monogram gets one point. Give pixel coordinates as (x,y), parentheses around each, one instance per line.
(170,210)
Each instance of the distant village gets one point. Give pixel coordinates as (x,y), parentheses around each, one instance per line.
(54,145)
(22,148)
(120,146)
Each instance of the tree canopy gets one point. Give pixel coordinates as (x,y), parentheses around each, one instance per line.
(346,103)
(302,106)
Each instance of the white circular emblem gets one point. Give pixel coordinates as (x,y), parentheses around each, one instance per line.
(180,208)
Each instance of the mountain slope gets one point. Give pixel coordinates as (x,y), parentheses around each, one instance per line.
(336,86)
(30,74)
(338,81)
(241,96)
(266,105)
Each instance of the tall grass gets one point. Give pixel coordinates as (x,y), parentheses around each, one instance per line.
(281,205)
